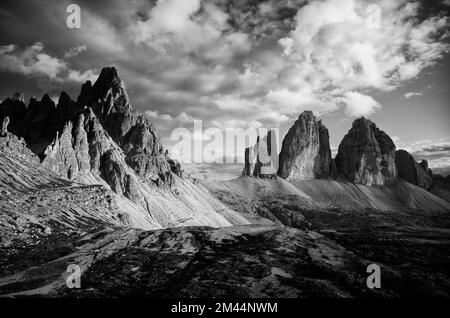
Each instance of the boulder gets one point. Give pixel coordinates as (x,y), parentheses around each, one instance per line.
(366,155)
(5,124)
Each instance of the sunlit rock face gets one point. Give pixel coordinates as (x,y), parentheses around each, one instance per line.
(305,153)
(133,132)
(261,160)
(366,155)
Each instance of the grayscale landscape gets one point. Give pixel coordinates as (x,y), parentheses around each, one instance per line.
(95,200)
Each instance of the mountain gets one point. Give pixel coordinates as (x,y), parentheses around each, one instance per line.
(363,176)
(411,171)
(305,152)
(100,140)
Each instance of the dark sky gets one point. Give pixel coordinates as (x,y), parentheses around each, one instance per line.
(246,63)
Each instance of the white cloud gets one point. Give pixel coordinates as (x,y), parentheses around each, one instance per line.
(236,123)
(334,47)
(30,61)
(357,104)
(177,26)
(294,102)
(155,115)
(82,77)
(182,118)
(75,51)
(185,118)
(411,94)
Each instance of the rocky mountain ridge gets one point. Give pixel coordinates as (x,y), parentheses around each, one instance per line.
(100,140)
(366,155)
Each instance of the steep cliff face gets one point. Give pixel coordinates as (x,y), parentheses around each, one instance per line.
(366,155)
(261,160)
(411,171)
(305,153)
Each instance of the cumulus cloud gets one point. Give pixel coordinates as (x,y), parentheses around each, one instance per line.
(240,62)
(334,45)
(33,60)
(30,61)
(357,104)
(177,26)
(236,123)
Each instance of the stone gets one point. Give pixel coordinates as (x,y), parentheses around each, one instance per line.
(305,152)
(5,124)
(175,167)
(366,155)
(411,171)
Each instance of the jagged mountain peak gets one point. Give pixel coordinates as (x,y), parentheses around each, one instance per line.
(19,96)
(107,95)
(46,99)
(109,77)
(64,98)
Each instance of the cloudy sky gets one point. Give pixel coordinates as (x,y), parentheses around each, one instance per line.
(247,63)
